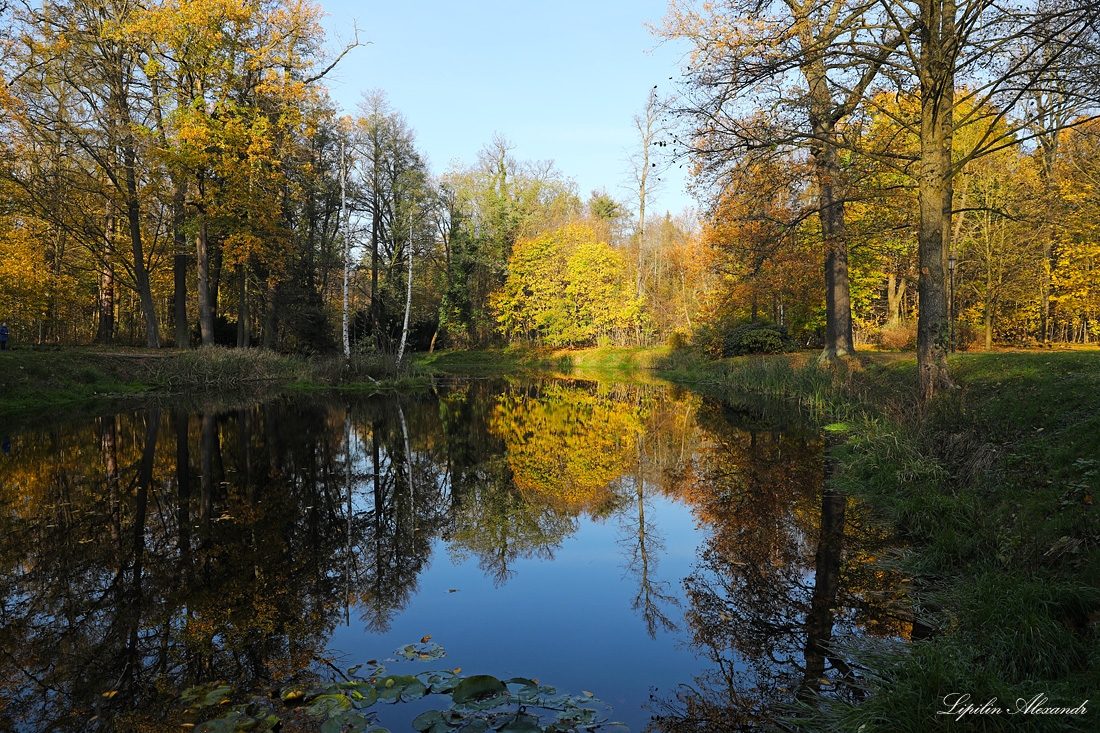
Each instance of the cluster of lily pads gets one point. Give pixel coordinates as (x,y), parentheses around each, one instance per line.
(477,703)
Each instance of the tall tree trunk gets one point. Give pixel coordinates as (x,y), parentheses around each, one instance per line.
(895,288)
(1050,147)
(839,340)
(179,217)
(271,317)
(244,333)
(408,308)
(141,274)
(375,234)
(202,258)
(937,79)
(179,272)
(105,330)
(133,211)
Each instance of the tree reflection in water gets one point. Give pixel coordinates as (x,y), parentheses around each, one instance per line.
(787,571)
(146,552)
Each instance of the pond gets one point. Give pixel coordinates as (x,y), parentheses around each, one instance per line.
(673,555)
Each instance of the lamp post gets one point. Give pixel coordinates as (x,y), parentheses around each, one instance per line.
(952,261)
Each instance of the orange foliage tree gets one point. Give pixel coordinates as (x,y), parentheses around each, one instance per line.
(767,262)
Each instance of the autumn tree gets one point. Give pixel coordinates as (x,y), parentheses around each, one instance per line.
(238,90)
(976,64)
(82,104)
(566,288)
(491,205)
(741,52)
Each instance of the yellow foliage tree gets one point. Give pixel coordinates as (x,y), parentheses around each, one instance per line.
(565,288)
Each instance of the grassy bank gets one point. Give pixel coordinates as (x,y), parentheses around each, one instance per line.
(37,382)
(994,487)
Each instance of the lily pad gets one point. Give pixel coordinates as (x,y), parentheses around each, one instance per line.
(400,687)
(424,651)
(230,722)
(433,721)
(206,695)
(294,694)
(521,723)
(323,706)
(348,723)
(478,687)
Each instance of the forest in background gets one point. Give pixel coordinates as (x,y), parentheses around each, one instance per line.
(176,173)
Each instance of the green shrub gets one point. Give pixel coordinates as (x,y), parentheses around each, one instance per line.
(757,338)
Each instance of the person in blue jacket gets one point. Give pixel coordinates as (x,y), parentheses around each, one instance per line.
(3,336)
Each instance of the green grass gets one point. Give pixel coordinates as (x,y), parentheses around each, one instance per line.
(83,379)
(34,381)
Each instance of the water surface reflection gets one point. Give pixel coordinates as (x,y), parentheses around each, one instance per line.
(624,536)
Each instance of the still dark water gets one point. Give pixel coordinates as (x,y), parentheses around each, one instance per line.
(676,556)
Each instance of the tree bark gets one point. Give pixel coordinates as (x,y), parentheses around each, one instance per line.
(105,330)
(128,145)
(408,308)
(935,195)
(179,271)
(202,257)
(271,318)
(839,340)
(244,333)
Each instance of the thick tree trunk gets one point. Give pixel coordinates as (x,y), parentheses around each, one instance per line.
(895,289)
(141,274)
(935,194)
(128,146)
(839,340)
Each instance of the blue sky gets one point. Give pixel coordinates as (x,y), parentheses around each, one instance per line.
(560,80)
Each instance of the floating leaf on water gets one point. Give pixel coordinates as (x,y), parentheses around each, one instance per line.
(324,705)
(292,694)
(521,723)
(347,723)
(401,687)
(203,696)
(425,639)
(477,688)
(521,681)
(426,720)
(222,725)
(423,651)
